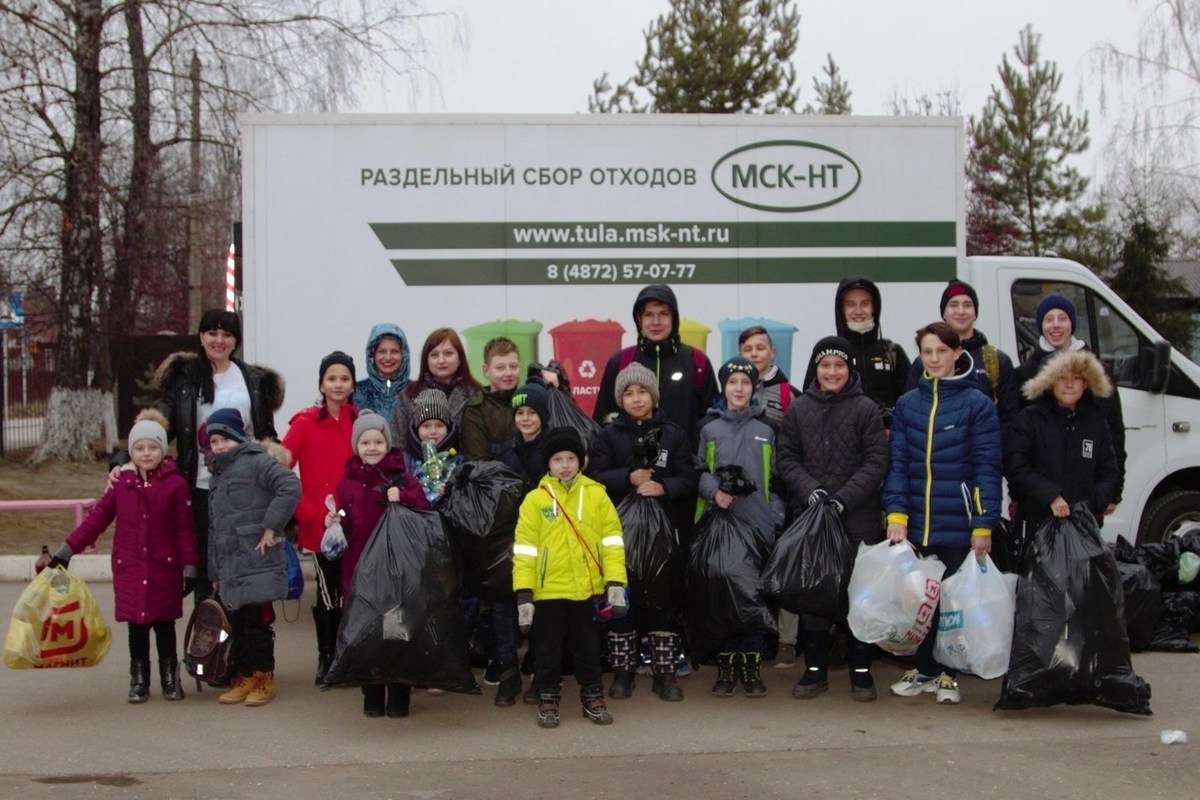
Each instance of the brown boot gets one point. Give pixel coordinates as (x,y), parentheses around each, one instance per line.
(239,691)
(263,691)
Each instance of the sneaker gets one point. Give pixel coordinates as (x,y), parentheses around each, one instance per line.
(491,675)
(914,683)
(785,658)
(683,667)
(947,690)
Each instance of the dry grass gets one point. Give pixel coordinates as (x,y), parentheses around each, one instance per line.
(24,532)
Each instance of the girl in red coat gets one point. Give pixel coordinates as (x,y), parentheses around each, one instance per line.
(318,439)
(374,474)
(153,553)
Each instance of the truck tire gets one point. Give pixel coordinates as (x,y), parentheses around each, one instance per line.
(1172,514)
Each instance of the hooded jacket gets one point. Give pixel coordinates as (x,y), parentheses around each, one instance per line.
(882,364)
(251,490)
(362,495)
(524,458)
(944,476)
(152,544)
(1110,407)
(1006,395)
(612,459)
(374,391)
(685,391)
(836,442)
(180,381)
(1052,451)
(741,438)
(561,559)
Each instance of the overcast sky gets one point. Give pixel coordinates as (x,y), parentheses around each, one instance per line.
(541,56)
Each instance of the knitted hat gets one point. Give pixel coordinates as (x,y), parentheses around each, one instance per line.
(150,429)
(737,364)
(226,422)
(559,439)
(833,346)
(955,288)
(370,421)
(533,395)
(430,404)
(1052,301)
(635,373)
(336,357)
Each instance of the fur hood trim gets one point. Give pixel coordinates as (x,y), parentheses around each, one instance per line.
(1074,362)
(175,367)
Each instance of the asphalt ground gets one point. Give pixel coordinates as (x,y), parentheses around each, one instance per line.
(69,734)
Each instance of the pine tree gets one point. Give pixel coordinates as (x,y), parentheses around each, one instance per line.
(1144,284)
(833,94)
(714,57)
(1023,140)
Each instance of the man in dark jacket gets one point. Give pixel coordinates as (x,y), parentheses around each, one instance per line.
(687,384)
(993,368)
(881,363)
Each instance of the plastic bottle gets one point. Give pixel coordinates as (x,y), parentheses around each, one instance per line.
(43,559)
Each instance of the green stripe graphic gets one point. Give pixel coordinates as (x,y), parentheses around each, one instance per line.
(657,235)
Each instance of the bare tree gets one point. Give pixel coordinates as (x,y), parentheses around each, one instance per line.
(96,121)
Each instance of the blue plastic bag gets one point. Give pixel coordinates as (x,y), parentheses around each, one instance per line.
(295,577)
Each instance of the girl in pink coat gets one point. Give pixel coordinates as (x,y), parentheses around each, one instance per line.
(153,552)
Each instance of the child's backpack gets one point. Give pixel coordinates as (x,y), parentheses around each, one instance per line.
(208,642)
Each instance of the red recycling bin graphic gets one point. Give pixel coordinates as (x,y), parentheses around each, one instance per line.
(583,347)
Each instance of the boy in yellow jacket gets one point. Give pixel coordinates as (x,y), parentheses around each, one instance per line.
(569,565)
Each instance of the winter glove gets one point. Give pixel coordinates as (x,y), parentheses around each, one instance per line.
(525,611)
(616,599)
(816,496)
(61,557)
(837,503)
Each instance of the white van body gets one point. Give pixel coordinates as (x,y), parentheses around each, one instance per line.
(543,222)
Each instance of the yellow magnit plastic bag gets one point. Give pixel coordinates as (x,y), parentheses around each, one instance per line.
(56,623)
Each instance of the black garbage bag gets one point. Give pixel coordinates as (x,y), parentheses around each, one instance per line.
(480,509)
(1180,612)
(651,560)
(1162,559)
(809,568)
(566,413)
(1143,604)
(721,597)
(403,621)
(1069,640)
(733,479)
(1006,547)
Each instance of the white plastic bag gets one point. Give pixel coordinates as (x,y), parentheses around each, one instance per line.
(333,543)
(975,628)
(893,595)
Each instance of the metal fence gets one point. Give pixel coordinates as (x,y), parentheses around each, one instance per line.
(28,378)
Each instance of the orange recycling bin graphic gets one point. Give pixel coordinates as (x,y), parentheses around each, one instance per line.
(583,347)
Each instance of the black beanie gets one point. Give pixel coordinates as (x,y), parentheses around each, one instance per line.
(560,439)
(832,346)
(953,289)
(336,357)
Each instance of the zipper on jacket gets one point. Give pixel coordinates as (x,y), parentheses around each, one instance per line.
(929,460)
(545,560)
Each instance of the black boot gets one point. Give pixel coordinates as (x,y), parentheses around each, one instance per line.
(547,704)
(662,663)
(751,674)
(398,695)
(510,684)
(816,666)
(727,674)
(139,680)
(326,621)
(168,675)
(859,657)
(623,652)
(591,698)
(373,700)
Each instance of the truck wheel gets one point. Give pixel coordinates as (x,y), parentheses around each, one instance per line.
(1173,514)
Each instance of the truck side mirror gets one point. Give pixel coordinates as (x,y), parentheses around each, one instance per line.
(1160,368)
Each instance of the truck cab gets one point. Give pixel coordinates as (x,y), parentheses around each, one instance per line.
(1159,386)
